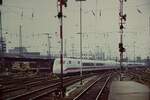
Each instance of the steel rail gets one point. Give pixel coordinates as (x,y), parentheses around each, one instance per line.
(65,85)
(31,92)
(101,91)
(53,87)
(83,92)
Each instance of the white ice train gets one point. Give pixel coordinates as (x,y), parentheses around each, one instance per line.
(73,65)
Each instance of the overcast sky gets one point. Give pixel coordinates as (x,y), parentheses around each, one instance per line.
(100,25)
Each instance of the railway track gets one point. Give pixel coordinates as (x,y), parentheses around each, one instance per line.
(13,80)
(141,77)
(25,88)
(21,84)
(48,94)
(95,90)
(11,85)
(29,83)
(25,79)
(37,90)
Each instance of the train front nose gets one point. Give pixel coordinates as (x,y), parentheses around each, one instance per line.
(56,70)
(57,67)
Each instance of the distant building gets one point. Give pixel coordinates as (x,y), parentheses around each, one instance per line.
(17,50)
(31,54)
(24,51)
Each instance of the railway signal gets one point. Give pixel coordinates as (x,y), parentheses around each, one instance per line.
(122,17)
(121,48)
(60,17)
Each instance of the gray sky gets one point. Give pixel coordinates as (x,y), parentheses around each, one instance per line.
(99,30)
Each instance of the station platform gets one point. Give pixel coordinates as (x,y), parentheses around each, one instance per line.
(128,90)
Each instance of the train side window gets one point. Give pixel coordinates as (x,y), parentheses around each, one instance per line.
(88,64)
(99,64)
(78,62)
(69,62)
(92,64)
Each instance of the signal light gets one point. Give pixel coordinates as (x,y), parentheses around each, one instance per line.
(121,48)
(124,17)
(59,15)
(121,27)
(120,45)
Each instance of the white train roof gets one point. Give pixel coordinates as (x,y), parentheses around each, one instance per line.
(87,60)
